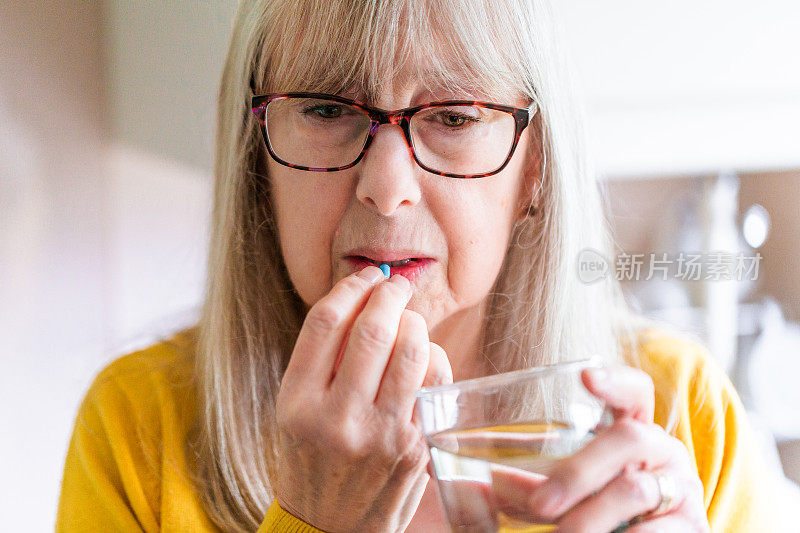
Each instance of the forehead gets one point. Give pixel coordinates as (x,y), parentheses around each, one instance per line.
(429,85)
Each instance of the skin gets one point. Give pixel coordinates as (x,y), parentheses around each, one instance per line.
(387,200)
(391,337)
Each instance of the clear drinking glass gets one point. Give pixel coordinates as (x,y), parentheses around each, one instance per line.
(487,435)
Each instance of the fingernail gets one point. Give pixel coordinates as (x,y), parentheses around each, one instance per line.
(371,274)
(547,499)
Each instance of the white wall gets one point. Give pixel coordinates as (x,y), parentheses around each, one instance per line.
(53,293)
(685,87)
(106,124)
(164,61)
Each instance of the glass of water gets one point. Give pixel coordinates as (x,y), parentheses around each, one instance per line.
(493,438)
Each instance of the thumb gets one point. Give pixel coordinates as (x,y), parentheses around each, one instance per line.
(439,370)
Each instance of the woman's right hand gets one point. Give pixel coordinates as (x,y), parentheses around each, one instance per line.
(351,456)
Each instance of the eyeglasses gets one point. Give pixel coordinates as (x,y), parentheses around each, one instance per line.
(454,138)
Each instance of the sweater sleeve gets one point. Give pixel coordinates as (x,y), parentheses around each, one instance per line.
(713,425)
(738,493)
(107,484)
(280,521)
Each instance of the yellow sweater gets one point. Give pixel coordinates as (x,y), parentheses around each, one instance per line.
(126,467)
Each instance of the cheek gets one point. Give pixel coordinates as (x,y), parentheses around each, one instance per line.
(482,229)
(306,226)
(478,239)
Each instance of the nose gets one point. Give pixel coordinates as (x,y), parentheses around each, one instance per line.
(387,179)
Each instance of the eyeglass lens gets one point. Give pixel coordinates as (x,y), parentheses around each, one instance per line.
(321,133)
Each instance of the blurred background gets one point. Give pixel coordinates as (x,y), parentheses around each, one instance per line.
(106,131)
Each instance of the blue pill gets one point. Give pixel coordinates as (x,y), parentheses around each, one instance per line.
(385,269)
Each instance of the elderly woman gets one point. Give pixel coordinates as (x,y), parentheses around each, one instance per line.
(437,141)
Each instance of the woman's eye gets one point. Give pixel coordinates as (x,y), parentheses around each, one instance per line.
(455,120)
(324,111)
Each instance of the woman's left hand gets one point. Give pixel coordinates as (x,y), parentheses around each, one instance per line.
(614,479)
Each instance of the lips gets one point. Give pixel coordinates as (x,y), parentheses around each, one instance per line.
(409,263)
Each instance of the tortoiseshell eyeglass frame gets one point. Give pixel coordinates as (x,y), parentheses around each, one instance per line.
(402,117)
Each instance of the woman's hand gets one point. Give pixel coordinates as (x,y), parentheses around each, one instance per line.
(613,479)
(350,456)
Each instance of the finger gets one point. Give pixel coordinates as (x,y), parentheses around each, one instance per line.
(596,464)
(627,391)
(340,354)
(371,341)
(469,505)
(406,369)
(415,420)
(630,494)
(325,326)
(439,371)
(512,488)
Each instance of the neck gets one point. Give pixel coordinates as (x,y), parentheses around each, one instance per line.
(459,335)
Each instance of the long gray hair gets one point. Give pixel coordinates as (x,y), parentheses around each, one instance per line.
(538,311)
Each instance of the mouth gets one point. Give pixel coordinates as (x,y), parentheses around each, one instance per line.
(393,264)
(408,264)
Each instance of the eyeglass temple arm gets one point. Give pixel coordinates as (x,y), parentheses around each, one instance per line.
(532,109)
